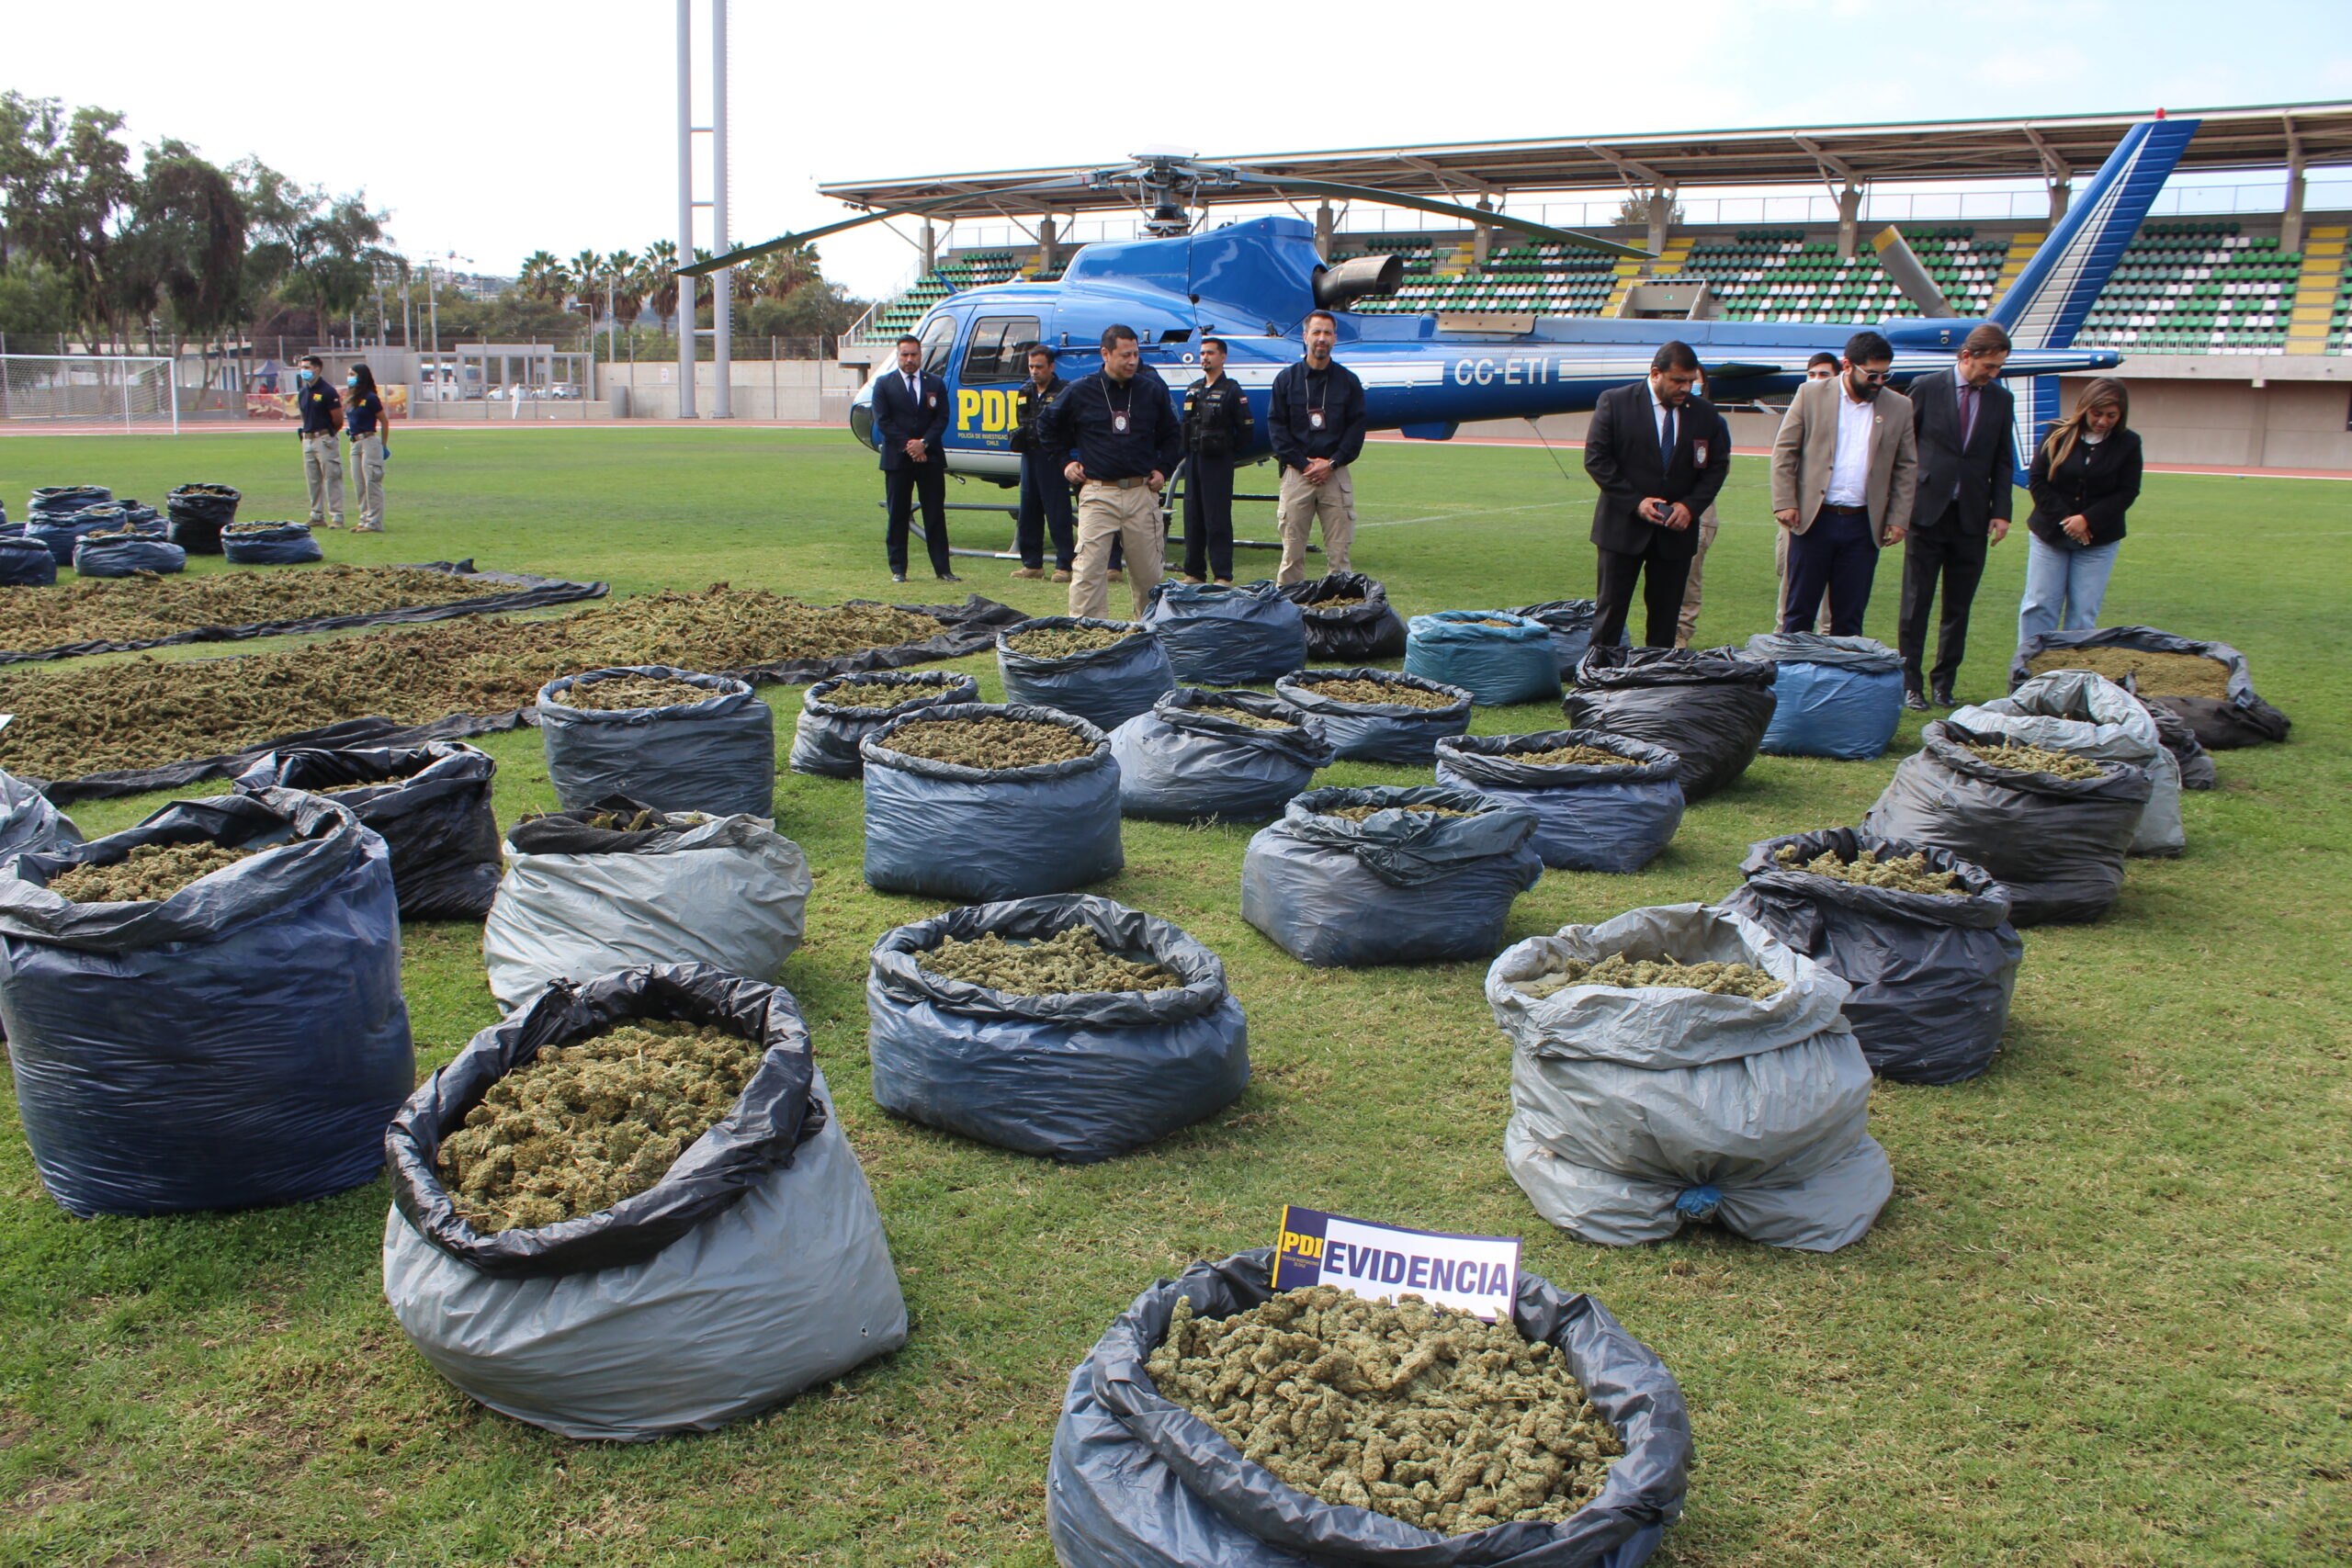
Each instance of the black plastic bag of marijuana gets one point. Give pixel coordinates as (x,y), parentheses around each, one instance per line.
(241,1042)
(2056,844)
(1570,623)
(1709,708)
(1191,760)
(1352,633)
(1226,634)
(270,544)
(1138,1481)
(586,892)
(833,717)
(1378,731)
(1105,687)
(1931,972)
(977,835)
(1399,887)
(2090,716)
(1078,1077)
(2238,717)
(1588,817)
(197,513)
(126,555)
(715,753)
(26,562)
(753,1268)
(1638,1109)
(431,804)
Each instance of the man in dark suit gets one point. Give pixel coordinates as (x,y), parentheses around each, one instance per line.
(909,416)
(1659,454)
(1961,416)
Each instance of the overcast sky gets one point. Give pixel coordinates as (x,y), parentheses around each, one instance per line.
(495,129)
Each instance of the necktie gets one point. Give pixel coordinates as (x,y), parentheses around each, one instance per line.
(1967,412)
(1665,436)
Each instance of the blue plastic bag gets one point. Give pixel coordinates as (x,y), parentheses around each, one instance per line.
(270,544)
(830,723)
(1219,636)
(1495,664)
(127,555)
(716,754)
(1104,686)
(26,562)
(1081,1076)
(978,835)
(1832,696)
(1587,819)
(1377,732)
(63,533)
(1139,1481)
(239,1043)
(1398,887)
(1188,760)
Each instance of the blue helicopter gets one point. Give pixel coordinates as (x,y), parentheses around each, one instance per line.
(1252,284)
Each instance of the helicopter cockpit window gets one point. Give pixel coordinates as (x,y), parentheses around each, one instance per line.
(938,337)
(992,352)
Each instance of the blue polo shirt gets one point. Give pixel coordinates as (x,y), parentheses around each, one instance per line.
(320,403)
(365,415)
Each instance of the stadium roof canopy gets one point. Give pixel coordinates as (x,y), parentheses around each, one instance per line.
(2053,147)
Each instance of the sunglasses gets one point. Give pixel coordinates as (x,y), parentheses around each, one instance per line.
(1875,375)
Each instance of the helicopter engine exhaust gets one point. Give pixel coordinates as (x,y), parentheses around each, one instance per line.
(1357,277)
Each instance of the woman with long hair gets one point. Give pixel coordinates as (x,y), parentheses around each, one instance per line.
(363,415)
(2084,476)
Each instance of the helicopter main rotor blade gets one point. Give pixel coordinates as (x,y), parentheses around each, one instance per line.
(909,209)
(1446,209)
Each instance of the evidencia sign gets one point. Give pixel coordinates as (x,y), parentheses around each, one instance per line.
(1476,1274)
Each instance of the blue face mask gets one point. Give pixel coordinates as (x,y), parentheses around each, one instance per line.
(303,374)
(351,382)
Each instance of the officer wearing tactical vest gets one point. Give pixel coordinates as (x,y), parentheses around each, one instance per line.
(1217,425)
(1044,493)
(1317,421)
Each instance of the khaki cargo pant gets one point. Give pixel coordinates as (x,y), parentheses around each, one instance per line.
(1687,624)
(323,473)
(1780,565)
(368,479)
(1106,513)
(1296,506)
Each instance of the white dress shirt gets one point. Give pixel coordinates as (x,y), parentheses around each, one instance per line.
(1849,473)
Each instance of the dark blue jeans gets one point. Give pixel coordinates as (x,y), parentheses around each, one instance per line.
(1837,554)
(1045,508)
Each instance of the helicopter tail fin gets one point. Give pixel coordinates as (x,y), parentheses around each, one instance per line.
(2046,306)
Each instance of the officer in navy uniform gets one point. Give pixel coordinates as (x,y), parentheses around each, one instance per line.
(1044,493)
(909,417)
(320,409)
(1216,427)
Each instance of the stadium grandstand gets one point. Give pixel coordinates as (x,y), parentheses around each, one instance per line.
(2252,297)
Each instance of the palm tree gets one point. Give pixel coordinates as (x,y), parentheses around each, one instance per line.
(587,271)
(541,277)
(662,267)
(622,272)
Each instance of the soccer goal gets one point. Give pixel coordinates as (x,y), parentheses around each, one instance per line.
(88,392)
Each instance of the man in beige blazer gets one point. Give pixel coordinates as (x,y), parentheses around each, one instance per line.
(1844,467)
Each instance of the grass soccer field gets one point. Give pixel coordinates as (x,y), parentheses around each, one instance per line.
(2103,1321)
